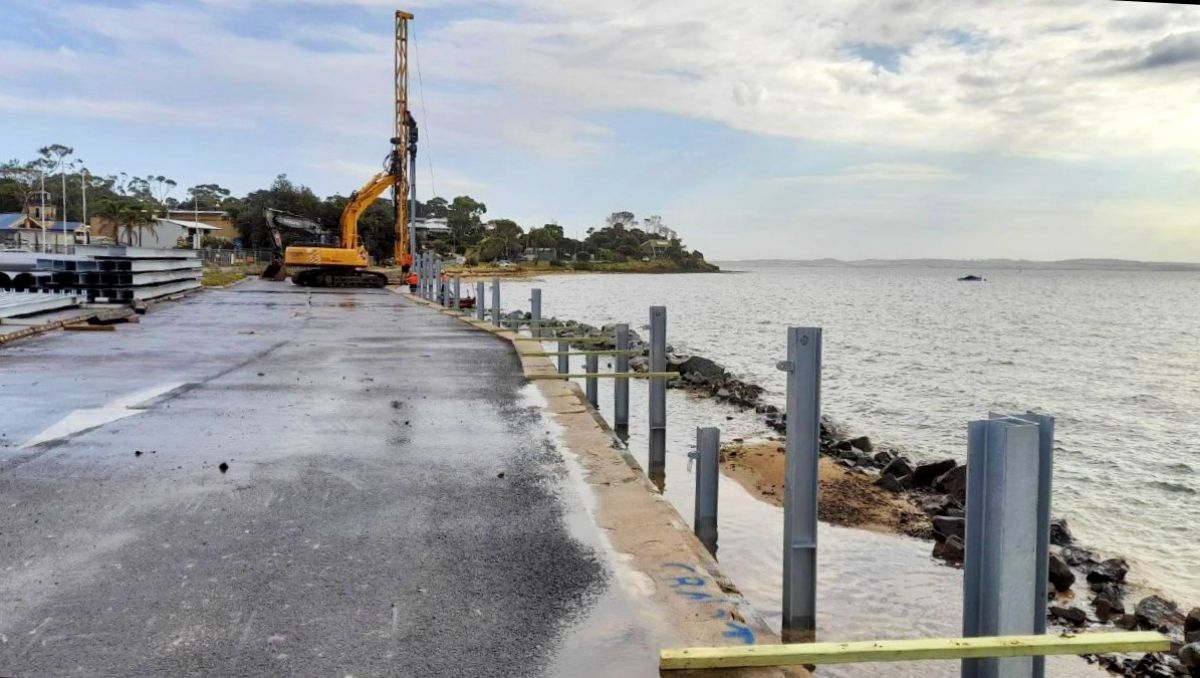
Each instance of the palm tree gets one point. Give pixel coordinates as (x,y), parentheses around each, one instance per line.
(112,217)
(139,216)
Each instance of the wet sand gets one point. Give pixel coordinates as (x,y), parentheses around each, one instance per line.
(847,498)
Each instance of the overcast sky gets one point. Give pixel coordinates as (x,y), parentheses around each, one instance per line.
(765,129)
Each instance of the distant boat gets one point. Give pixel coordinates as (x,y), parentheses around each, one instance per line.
(971,278)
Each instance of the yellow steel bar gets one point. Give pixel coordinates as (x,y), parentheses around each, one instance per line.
(910,650)
(607,375)
(558,353)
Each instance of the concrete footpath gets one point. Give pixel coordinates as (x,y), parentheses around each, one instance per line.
(269,480)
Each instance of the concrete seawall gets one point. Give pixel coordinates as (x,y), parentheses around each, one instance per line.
(666,567)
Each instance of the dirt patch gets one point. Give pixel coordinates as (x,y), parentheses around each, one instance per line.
(847,497)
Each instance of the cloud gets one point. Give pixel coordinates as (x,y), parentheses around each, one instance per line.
(1173,50)
(125,111)
(879,172)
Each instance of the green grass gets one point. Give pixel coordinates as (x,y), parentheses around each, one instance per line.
(219,277)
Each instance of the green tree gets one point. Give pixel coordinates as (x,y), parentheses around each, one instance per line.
(205,197)
(509,234)
(463,216)
(490,248)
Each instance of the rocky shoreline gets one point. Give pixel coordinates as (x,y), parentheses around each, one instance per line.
(938,490)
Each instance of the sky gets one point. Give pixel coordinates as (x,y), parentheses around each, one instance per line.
(770,129)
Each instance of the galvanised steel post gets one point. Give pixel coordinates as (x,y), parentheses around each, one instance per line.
(432,279)
(564,360)
(424,292)
(658,395)
(1009,467)
(457,290)
(439,284)
(592,366)
(422,274)
(803,368)
(479,300)
(704,523)
(496,302)
(420,271)
(535,312)
(621,384)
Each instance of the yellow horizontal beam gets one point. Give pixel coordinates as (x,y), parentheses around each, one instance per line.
(606,375)
(910,650)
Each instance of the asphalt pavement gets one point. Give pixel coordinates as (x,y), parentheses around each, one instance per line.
(275,481)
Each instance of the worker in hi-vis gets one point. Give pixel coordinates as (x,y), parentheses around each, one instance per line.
(413,281)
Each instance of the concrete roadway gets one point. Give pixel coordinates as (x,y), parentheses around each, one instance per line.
(394,503)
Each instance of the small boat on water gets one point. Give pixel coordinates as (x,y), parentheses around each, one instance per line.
(971,278)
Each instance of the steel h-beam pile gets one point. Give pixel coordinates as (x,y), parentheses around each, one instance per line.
(120,273)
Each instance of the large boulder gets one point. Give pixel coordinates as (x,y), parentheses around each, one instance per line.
(1061,575)
(952,550)
(954,483)
(862,443)
(1157,613)
(1060,533)
(1076,556)
(1069,614)
(894,483)
(945,527)
(703,367)
(1189,656)
(1192,623)
(898,467)
(1108,602)
(925,475)
(1112,570)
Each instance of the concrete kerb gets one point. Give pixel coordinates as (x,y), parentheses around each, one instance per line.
(674,572)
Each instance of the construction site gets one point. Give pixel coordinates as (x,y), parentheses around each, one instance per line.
(348,466)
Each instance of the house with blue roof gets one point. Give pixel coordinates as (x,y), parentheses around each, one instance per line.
(21,231)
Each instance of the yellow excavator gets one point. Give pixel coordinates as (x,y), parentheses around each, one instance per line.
(345,264)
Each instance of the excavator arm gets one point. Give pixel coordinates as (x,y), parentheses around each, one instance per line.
(360,200)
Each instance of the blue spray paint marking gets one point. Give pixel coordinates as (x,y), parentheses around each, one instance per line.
(740,632)
(684,587)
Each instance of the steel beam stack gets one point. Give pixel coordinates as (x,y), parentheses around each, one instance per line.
(17,304)
(116,274)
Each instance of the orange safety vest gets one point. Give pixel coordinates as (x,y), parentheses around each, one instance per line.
(413,279)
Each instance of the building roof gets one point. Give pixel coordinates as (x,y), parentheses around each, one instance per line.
(433,224)
(11,219)
(198,225)
(17,220)
(184,210)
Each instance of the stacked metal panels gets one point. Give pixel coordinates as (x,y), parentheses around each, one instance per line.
(116,274)
(17,304)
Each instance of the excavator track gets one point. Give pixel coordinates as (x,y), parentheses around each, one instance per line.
(339,277)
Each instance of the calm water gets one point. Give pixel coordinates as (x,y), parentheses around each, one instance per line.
(912,355)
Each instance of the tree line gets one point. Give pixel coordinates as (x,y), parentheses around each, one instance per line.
(126,206)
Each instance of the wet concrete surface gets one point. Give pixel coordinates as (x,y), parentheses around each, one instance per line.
(393,504)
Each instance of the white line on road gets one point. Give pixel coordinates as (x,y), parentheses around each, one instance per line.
(83,420)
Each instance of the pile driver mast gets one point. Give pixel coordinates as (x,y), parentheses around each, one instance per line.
(404,144)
